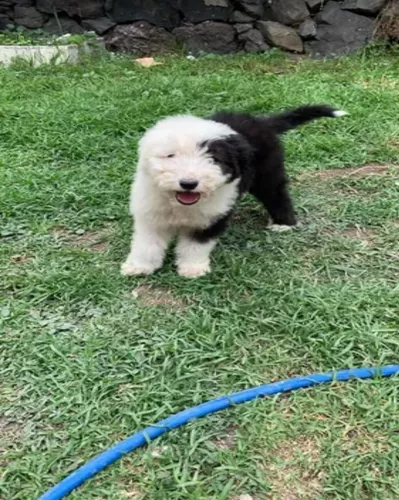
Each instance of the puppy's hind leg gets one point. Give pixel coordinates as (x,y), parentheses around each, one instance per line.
(277,201)
(148,249)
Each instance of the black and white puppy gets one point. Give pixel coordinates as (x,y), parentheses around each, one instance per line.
(191,173)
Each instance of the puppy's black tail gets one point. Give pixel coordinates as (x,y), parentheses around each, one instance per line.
(283,122)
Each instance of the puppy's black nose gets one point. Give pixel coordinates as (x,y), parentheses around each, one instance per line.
(188,184)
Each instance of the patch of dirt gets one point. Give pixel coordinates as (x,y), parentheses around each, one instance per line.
(259,68)
(363,442)
(95,241)
(92,241)
(227,441)
(128,487)
(364,235)
(393,142)
(20,259)
(252,218)
(151,296)
(357,172)
(381,83)
(10,433)
(291,480)
(132,493)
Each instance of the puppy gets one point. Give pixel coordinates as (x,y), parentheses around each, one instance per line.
(192,172)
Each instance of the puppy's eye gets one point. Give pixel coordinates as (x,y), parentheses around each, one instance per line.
(172,155)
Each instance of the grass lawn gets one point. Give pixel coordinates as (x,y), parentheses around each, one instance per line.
(85,363)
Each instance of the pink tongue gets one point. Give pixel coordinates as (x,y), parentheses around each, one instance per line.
(188,197)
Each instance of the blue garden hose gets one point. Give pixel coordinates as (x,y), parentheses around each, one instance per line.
(108,457)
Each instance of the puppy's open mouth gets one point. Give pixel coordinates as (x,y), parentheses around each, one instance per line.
(187,197)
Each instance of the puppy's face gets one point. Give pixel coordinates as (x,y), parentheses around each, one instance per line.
(191,158)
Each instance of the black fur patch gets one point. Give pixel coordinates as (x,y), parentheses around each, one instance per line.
(212,231)
(234,155)
(255,155)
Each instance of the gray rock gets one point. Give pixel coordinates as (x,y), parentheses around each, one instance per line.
(253,41)
(66,25)
(141,38)
(196,11)
(91,9)
(278,35)
(308,29)
(28,17)
(367,7)
(240,17)
(4,22)
(242,28)
(6,5)
(6,9)
(209,36)
(157,12)
(329,15)
(47,6)
(289,11)
(70,7)
(344,33)
(314,5)
(252,7)
(100,25)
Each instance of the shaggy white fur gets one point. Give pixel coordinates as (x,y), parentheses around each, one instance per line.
(169,153)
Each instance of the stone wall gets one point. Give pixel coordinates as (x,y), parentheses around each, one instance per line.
(147,27)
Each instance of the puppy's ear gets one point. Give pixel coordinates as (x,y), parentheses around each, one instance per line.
(234,155)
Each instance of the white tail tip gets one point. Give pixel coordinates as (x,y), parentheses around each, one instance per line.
(338,113)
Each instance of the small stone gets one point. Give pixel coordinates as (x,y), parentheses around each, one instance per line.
(240,17)
(158,451)
(278,35)
(253,41)
(308,29)
(242,28)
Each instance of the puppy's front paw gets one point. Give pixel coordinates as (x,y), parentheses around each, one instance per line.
(130,268)
(280,228)
(194,270)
